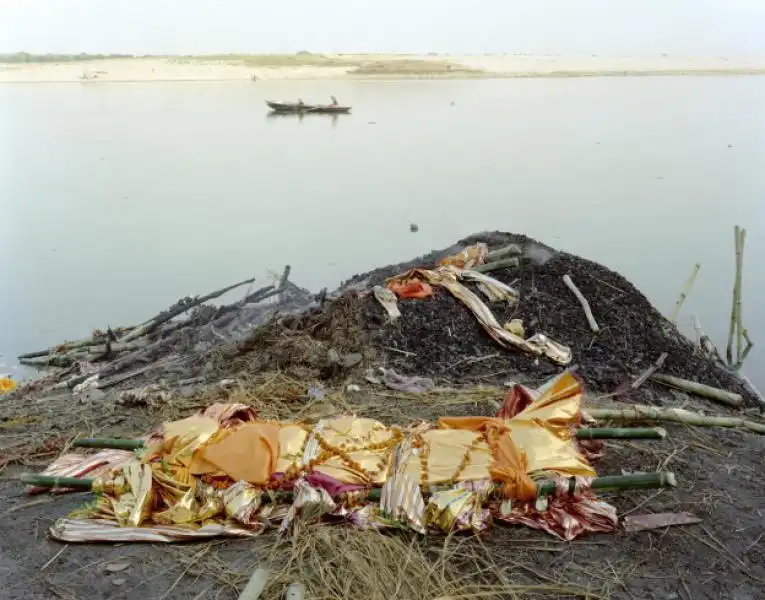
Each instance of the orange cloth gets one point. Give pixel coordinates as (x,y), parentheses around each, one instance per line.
(248,453)
(509,464)
(411,288)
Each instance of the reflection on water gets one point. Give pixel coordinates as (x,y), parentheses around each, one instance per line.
(118,199)
(332,117)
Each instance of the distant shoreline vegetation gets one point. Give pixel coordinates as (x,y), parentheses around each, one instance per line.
(27,57)
(302,57)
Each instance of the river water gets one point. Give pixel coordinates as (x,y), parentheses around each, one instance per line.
(118,199)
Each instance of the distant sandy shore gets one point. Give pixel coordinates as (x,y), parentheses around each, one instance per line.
(310,66)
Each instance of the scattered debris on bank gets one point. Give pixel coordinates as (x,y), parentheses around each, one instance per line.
(388,404)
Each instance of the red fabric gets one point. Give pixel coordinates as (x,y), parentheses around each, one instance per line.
(567,515)
(518,398)
(411,288)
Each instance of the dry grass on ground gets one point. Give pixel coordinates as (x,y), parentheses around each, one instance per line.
(337,563)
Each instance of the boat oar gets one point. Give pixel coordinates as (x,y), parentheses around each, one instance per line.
(585,433)
(642,481)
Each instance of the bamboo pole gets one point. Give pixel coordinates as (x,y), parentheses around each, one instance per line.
(640,481)
(699,389)
(54,481)
(583,301)
(118,444)
(736,303)
(739,277)
(504,252)
(642,413)
(625,433)
(505,263)
(685,291)
(584,433)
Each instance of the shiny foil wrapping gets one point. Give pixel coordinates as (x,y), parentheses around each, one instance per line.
(457,509)
(242,502)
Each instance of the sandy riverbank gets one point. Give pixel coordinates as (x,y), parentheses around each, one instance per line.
(312,66)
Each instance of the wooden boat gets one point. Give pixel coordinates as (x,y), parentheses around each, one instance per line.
(297,107)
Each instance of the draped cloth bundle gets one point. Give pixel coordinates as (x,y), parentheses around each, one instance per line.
(226,472)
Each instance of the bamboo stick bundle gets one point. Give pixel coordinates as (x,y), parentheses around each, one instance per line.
(99,339)
(641,413)
(163,317)
(640,481)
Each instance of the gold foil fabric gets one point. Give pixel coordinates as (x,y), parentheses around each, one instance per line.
(456,509)
(543,431)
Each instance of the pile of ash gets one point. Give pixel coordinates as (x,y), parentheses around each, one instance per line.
(440,337)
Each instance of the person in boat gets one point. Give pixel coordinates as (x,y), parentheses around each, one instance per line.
(301,104)
(334,101)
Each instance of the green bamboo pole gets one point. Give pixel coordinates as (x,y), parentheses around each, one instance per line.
(621,433)
(504,263)
(115,443)
(611,483)
(52,481)
(585,433)
(642,481)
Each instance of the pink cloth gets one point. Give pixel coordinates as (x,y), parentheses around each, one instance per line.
(330,484)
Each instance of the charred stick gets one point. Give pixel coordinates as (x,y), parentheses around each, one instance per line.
(649,371)
(180,309)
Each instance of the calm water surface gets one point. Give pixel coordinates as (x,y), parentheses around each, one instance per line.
(117,199)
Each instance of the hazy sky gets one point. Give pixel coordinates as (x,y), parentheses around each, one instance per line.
(574,27)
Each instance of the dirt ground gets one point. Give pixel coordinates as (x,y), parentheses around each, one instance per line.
(718,471)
